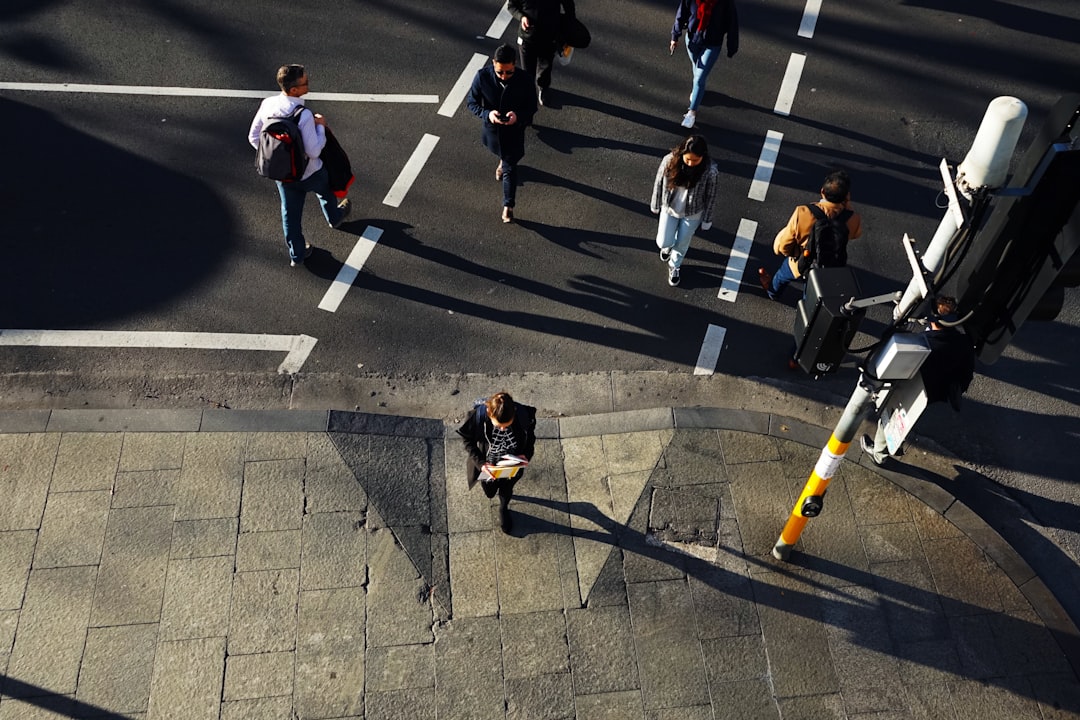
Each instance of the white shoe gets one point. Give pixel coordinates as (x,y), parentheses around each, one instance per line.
(689,118)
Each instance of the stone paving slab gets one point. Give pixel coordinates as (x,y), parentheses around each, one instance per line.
(279,571)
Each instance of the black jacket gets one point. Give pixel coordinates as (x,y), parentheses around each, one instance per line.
(543,17)
(519,95)
(476,432)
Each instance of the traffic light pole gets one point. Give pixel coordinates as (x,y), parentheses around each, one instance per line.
(983,170)
(811,500)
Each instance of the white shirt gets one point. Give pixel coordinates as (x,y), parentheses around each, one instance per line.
(282,105)
(677,205)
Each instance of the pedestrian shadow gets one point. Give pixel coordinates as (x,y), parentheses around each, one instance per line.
(887,616)
(64,706)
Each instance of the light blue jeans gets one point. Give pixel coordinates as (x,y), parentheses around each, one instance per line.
(676,233)
(702,64)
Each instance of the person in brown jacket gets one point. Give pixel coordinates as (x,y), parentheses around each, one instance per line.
(790,242)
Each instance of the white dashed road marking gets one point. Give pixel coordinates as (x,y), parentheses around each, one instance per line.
(499,24)
(736,266)
(790,85)
(809,18)
(298,346)
(710,350)
(411,170)
(351,269)
(763,174)
(461,88)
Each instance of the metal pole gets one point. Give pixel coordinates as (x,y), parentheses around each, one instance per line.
(811,499)
(984,168)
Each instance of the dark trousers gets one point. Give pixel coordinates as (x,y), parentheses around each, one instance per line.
(504,487)
(536,58)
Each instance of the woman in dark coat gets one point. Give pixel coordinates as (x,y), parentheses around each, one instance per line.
(496,427)
(506,101)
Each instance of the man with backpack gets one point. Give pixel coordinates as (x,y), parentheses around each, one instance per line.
(288,139)
(815,236)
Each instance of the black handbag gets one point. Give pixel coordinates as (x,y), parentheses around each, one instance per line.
(573,32)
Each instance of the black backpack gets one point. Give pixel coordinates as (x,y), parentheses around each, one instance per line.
(280,155)
(827,244)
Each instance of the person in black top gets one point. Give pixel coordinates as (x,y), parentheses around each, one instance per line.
(496,427)
(504,99)
(538,37)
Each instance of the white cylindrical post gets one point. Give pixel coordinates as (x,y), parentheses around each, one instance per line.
(987,162)
(985,167)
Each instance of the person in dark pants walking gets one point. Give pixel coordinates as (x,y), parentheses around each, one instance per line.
(504,99)
(538,37)
(496,427)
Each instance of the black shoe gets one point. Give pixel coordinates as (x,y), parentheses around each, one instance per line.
(346,207)
(867,446)
(505,521)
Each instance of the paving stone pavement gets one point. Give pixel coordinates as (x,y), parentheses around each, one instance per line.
(279,565)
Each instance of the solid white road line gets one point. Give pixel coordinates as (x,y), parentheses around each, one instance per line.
(763,174)
(736,266)
(411,170)
(461,88)
(298,346)
(352,267)
(710,350)
(790,85)
(498,25)
(809,18)
(209,92)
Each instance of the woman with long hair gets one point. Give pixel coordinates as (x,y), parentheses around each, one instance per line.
(683,196)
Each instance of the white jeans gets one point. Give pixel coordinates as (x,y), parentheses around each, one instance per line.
(676,233)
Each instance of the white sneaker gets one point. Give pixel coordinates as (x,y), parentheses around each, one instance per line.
(673,277)
(665,253)
(689,118)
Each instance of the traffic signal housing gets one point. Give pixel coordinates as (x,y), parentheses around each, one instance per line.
(824,326)
(1025,254)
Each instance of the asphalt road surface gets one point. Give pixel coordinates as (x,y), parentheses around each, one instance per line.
(140,212)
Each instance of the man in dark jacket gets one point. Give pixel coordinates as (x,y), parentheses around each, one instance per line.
(538,37)
(504,99)
(498,427)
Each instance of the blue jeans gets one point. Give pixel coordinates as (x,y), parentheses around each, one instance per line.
(702,64)
(780,279)
(509,182)
(292,209)
(676,233)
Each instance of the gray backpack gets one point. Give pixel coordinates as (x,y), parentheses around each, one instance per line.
(280,154)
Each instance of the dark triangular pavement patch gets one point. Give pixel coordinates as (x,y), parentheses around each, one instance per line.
(399,474)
